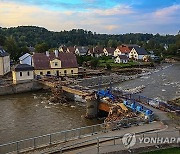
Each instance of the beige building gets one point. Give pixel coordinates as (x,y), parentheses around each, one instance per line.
(4,62)
(22,73)
(55,63)
(138,53)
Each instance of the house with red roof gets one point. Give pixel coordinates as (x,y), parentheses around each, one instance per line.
(122,50)
(55,63)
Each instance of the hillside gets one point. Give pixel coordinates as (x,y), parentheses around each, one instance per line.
(24,36)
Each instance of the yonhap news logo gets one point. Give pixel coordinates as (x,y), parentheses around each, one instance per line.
(130,139)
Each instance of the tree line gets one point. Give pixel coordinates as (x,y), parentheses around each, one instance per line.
(16,40)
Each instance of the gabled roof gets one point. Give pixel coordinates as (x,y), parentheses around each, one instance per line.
(82,50)
(130,46)
(41,61)
(64,48)
(98,50)
(124,49)
(23,67)
(110,50)
(140,51)
(24,56)
(72,49)
(3,53)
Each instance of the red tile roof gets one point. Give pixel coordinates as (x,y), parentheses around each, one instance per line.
(124,49)
(41,61)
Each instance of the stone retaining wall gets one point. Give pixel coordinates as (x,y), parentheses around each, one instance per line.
(19,88)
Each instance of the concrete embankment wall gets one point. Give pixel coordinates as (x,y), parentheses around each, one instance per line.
(19,88)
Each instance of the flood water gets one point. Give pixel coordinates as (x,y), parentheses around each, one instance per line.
(162,83)
(31,114)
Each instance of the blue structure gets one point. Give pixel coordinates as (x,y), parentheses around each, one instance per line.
(136,107)
(105,93)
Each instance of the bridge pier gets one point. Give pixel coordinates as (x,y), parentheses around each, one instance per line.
(91,107)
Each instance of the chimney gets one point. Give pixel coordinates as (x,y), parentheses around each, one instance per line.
(56,53)
(47,53)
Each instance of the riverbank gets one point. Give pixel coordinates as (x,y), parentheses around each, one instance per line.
(175,117)
(20,88)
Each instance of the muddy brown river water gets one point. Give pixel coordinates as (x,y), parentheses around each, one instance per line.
(31,114)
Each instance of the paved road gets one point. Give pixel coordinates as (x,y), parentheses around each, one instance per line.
(135,129)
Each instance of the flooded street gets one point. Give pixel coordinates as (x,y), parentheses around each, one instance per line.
(31,114)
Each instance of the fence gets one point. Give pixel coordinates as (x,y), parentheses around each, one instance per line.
(107,144)
(63,136)
(152,102)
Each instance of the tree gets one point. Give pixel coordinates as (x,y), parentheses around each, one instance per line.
(2,40)
(12,48)
(94,63)
(43,47)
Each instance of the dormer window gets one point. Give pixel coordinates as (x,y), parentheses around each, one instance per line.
(55,64)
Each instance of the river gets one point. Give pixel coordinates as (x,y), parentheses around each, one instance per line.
(162,83)
(31,114)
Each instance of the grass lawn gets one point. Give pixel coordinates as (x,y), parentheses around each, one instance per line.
(165,151)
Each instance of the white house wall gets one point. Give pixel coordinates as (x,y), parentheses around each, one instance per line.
(117,52)
(25,77)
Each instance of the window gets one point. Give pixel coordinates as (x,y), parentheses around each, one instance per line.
(72,72)
(41,73)
(65,72)
(28,73)
(55,64)
(20,73)
(48,72)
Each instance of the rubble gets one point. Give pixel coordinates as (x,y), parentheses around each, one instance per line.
(117,113)
(58,96)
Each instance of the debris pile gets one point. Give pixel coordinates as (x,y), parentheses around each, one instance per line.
(119,112)
(58,96)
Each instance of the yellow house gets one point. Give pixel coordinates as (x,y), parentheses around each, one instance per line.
(55,63)
(4,62)
(22,73)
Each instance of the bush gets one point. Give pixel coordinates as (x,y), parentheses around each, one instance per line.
(108,66)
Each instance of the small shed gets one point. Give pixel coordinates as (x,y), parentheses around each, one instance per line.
(22,73)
